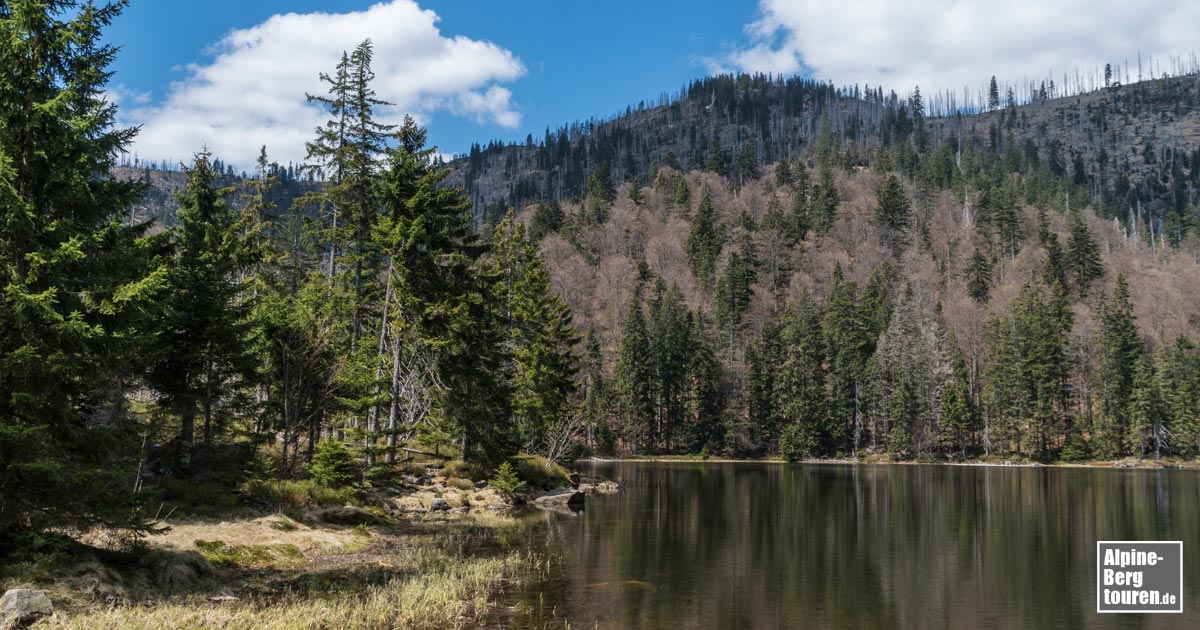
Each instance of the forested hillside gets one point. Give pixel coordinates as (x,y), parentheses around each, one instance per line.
(724,228)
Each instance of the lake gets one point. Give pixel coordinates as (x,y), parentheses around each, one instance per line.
(725,545)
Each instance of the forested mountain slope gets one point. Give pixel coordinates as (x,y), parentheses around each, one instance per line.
(777,267)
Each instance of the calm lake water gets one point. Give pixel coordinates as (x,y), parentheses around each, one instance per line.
(843,546)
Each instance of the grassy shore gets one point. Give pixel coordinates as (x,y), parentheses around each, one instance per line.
(271,572)
(317,559)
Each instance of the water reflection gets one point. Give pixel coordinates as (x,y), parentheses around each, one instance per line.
(841,546)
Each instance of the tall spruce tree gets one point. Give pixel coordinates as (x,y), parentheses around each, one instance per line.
(1083,255)
(893,211)
(206,351)
(1120,351)
(704,241)
(801,382)
(635,379)
(540,332)
(81,288)
(979,277)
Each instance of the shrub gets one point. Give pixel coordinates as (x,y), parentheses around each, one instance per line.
(296,494)
(506,480)
(332,465)
(458,469)
(539,472)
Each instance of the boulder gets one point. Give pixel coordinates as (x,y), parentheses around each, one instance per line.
(20,607)
(438,504)
(560,499)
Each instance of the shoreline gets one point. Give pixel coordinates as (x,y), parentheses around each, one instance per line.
(1120,464)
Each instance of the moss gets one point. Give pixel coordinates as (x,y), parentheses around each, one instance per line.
(247,556)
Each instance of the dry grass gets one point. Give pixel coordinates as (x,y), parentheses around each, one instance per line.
(438,591)
(285,575)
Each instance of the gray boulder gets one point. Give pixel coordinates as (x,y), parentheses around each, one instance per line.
(438,504)
(21,606)
(560,499)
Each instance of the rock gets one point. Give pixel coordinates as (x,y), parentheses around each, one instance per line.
(559,499)
(20,607)
(438,504)
(600,487)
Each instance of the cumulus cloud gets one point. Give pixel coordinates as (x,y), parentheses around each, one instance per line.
(252,89)
(948,45)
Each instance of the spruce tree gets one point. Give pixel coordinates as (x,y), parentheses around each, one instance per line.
(705,398)
(1083,255)
(635,379)
(683,197)
(733,293)
(802,403)
(959,416)
(823,210)
(1120,350)
(206,351)
(716,158)
(892,214)
(704,241)
(669,330)
(540,332)
(81,288)
(763,358)
(850,344)
(979,277)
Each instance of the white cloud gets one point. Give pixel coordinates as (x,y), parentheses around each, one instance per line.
(951,44)
(252,91)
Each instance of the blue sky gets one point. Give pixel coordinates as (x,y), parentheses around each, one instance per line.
(232,75)
(580,59)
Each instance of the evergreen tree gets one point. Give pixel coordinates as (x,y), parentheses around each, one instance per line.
(716,158)
(540,333)
(1147,412)
(80,288)
(993,94)
(979,277)
(1178,374)
(850,344)
(601,191)
(763,358)
(1025,389)
(705,398)
(893,211)
(683,197)
(1120,350)
(959,416)
(206,325)
(1083,255)
(783,174)
(733,293)
(824,202)
(704,241)
(748,163)
(669,329)
(801,381)
(547,219)
(635,379)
